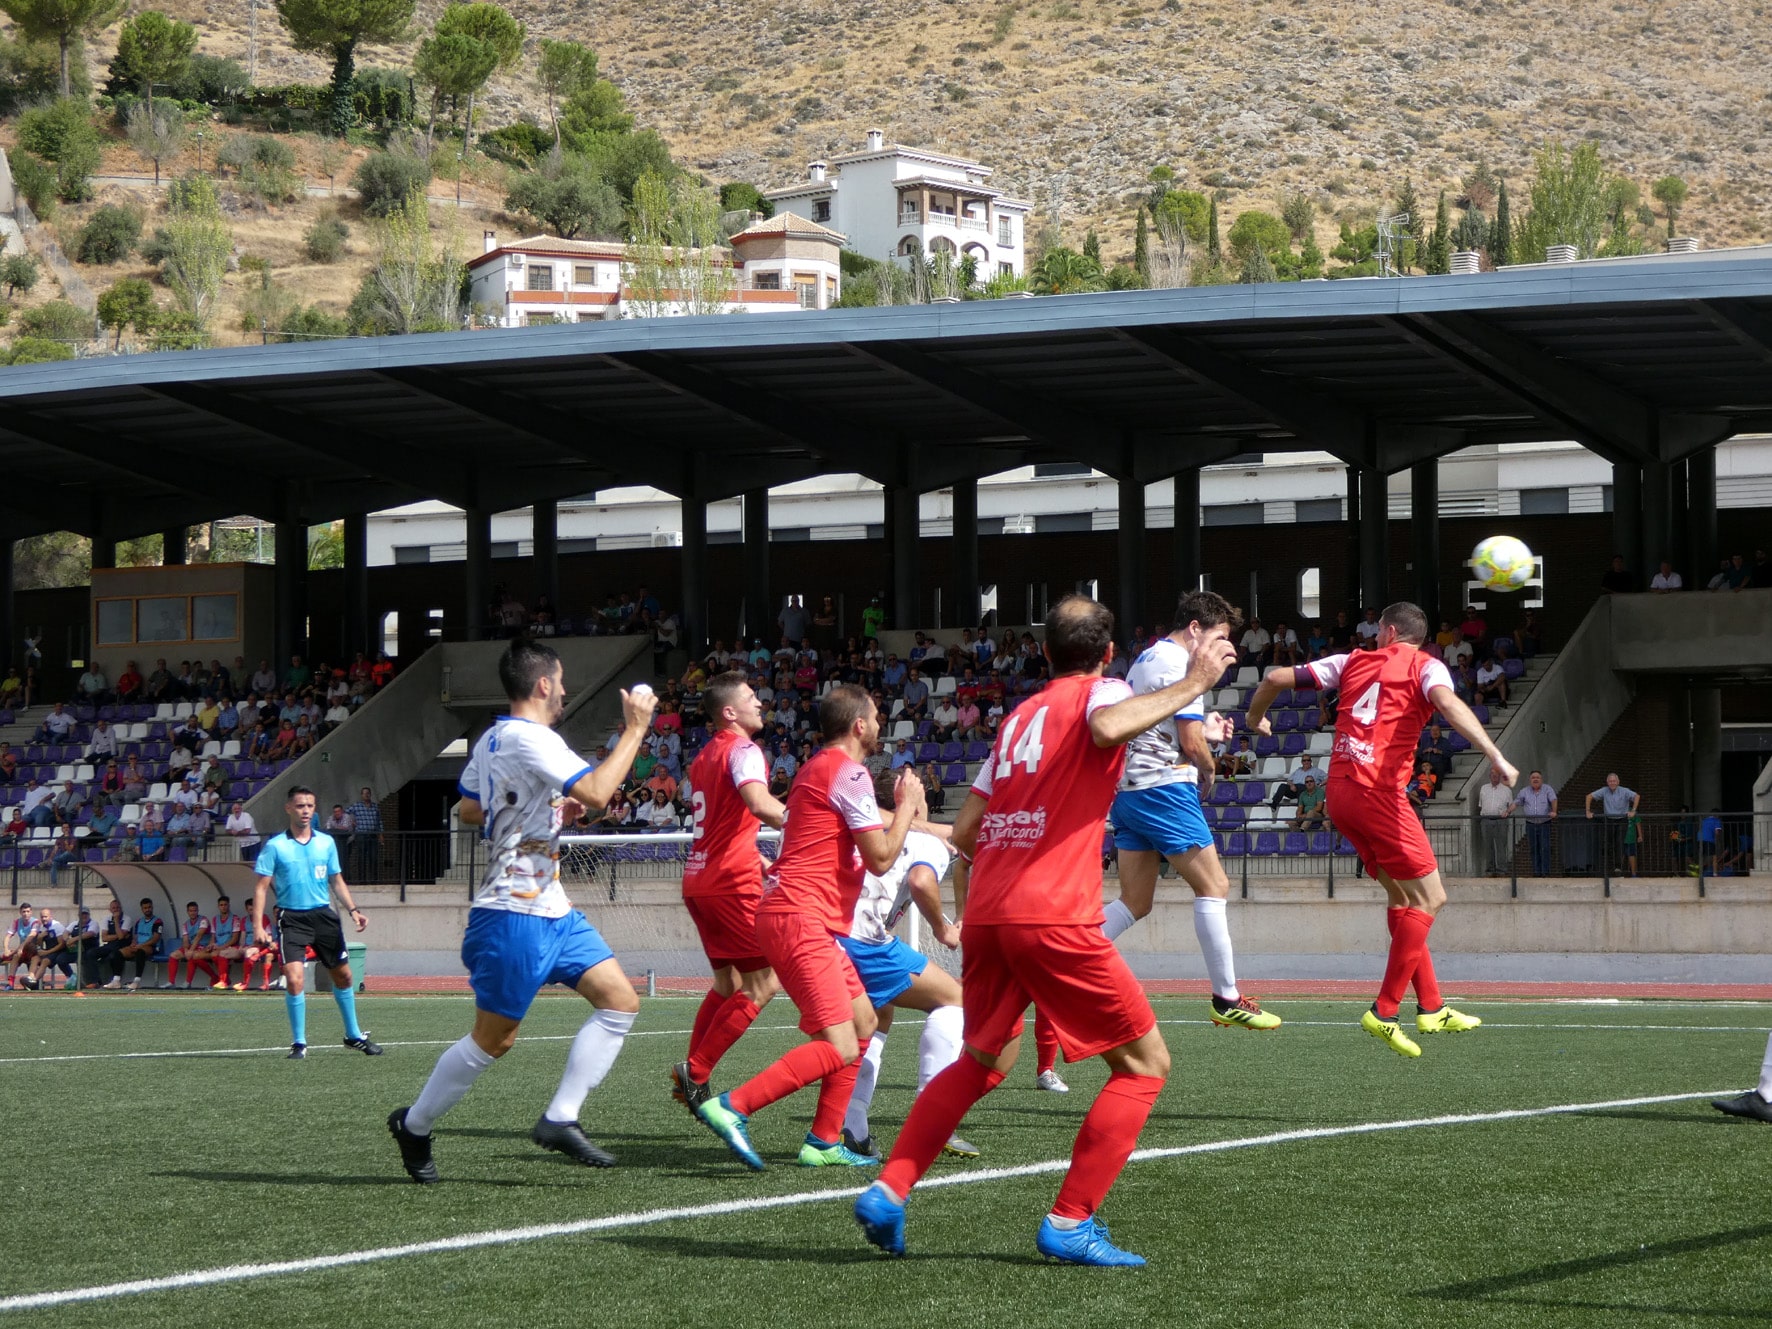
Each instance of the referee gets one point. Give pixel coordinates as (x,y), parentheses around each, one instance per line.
(303,863)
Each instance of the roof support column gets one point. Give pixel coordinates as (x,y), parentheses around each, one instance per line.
(1131,572)
(694,566)
(1707,749)
(759,609)
(172,547)
(476,581)
(907,577)
(358,636)
(1185,555)
(1350,582)
(104,550)
(8,612)
(1424,522)
(1374,539)
(1627,517)
(966,610)
(292,589)
(1657,520)
(1701,520)
(544,528)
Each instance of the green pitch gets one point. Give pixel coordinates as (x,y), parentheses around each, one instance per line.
(147,1168)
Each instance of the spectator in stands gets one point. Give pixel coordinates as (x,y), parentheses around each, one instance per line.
(8,764)
(334,717)
(103,824)
(1457,651)
(1316,642)
(1666,579)
(1737,574)
(618,814)
(793,620)
(338,823)
(67,804)
(158,686)
(1464,682)
(784,767)
(1253,645)
(140,949)
(135,779)
(902,755)
(1312,806)
(1617,579)
(57,726)
(1760,574)
(947,719)
(1617,806)
(895,673)
(1491,684)
(16,828)
(1526,636)
(1342,635)
(1288,790)
(178,828)
(264,679)
(1474,628)
(1537,802)
(66,850)
(297,676)
(1240,761)
(190,735)
(243,829)
(1420,788)
(366,843)
(1436,750)
(657,813)
(879,761)
(1367,631)
(1495,803)
(185,685)
(916,696)
(1285,648)
(227,720)
(968,719)
(12,689)
(103,742)
(38,804)
(93,689)
(282,744)
(1720,580)
(873,619)
(824,623)
(934,794)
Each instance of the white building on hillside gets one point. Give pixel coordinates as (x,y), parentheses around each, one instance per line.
(781,265)
(891,200)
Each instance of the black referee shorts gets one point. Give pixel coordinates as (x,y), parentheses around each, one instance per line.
(318,928)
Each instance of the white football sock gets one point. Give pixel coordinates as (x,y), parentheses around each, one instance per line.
(939,1047)
(593,1053)
(1215,944)
(861,1098)
(457,1069)
(1117,919)
(1766,1073)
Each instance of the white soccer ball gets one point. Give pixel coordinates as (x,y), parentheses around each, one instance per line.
(1503,563)
(640,690)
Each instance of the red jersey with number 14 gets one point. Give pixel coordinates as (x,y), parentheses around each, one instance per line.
(819,870)
(1047,788)
(723,858)
(1384,706)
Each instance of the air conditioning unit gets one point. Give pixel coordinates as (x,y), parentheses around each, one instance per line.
(1020,525)
(667,539)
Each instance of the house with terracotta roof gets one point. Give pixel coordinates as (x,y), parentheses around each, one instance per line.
(783,264)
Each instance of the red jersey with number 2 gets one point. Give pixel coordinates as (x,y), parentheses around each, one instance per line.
(819,870)
(1047,788)
(1384,706)
(724,856)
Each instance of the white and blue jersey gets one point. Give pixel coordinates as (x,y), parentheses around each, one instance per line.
(1158,806)
(302,872)
(885,965)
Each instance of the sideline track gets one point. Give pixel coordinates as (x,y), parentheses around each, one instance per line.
(512,1236)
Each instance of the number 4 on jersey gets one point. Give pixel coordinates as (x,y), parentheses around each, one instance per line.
(1365,710)
(1026,750)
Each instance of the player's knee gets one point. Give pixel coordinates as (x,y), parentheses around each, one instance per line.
(627,1002)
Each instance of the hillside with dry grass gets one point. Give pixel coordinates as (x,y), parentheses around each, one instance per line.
(1074,101)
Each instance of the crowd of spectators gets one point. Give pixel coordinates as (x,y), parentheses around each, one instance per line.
(1734,573)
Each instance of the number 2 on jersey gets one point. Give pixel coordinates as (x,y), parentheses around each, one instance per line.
(1365,710)
(699,802)
(1025,750)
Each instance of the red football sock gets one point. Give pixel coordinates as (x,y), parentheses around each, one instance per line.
(733,1018)
(1425,981)
(1408,945)
(1045,1043)
(1105,1142)
(703,1014)
(223,965)
(940,1107)
(799,1068)
(833,1102)
(207,966)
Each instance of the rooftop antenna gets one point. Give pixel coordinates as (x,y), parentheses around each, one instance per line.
(1392,231)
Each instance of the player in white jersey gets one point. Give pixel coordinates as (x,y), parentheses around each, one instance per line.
(1160,808)
(521,784)
(896,976)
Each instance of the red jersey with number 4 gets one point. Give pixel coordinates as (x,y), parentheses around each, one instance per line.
(1384,706)
(724,859)
(819,870)
(1047,788)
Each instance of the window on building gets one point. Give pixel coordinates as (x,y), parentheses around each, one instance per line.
(503,549)
(1319,509)
(1544,502)
(434,623)
(541,276)
(790,534)
(725,537)
(1231,514)
(821,210)
(990,526)
(412,553)
(1043,469)
(1054,523)
(1605,498)
(1310,593)
(910,247)
(584,274)
(806,286)
(766,281)
(1006,232)
(389,633)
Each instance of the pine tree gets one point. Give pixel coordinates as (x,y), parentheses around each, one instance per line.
(1439,244)
(1092,248)
(1141,249)
(1407,205)
(1501,233)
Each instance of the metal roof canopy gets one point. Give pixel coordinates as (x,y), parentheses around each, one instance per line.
(1641,360)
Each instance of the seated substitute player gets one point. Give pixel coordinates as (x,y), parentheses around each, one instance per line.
(1159,809)
(1032,930)
(833,838)
(227,933)
(897,976)
(302,862)
(193,949)
(270,951)
(1387,695)
(723,878)
(522,784)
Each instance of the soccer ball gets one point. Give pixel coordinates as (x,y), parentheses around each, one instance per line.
(1502,563)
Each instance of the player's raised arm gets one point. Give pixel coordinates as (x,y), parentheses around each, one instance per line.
(926,894)
(597,787)
(1196,742)
(879,849)
(764,806)
(1461,718)
(1272,684)
(1112,726)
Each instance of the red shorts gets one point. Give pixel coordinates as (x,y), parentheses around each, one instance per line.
(811,967)
(727,923)
(1383,829)
(1076,977)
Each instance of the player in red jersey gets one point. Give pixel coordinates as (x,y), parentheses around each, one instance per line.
(1031,931)
(723,879)
(834,837)
(1387,695)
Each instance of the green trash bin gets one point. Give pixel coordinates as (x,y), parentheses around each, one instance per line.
(356,955)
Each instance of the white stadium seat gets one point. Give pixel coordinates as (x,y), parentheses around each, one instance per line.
(130,815)
(1272,767)
(158,793)
(945,686)
(1321,744)
(1248,676)
(83,774)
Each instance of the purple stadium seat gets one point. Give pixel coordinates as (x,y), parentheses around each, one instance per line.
(177,854)
(1267,844)
(925,731)
(1210,812)
(1236,844)
(1231,817)
(33,752)
(1457,742)
(1251,792)
(107,712)
(1266,746)
(1345,849)
(951,752)
(6,717)
(1304,699)
(1285,721)
(33,858)
(1224,792)
(86,713)
(1481,712)
(1294,743)
(1283,697)
(1319,842)
(157,731)
(8,858)
(977,750)
(1513,668)
(955,775)
(928,752)
(1293,842)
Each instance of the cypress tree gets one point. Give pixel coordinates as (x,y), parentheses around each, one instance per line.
(1141,249)
(1501,233)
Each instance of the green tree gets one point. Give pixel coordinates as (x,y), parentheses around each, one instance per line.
(1501,232)
(1141,249)
(1408,204)
(326,546)
(1214,251)
(1670,191)
(67,23)
(1258,232)
(1063,271)
(109,236)
(312,324)
(1568,203)
(1310,258)
(35,351)
(567,196)
(176,330)
(18,272)
(470,44)
(1191,210)
(152,48)
(562,70)
(387,181)
(593,114)
(412,287)
(1438,260)
(1259,268)
(198,245)
(264,305)
(63,133)
(337,28)
(129,303)
(1299,214)
(157,133)
(742,196)
(1092,248)
(57,320)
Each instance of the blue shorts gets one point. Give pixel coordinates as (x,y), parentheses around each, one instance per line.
(1165,820)
(510,957)
(886,968)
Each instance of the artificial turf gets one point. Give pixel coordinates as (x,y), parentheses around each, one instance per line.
(142,1168)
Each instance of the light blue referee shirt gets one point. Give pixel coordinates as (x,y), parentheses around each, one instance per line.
(302,873)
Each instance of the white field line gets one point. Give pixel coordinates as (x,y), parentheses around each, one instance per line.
(237,1273)
(1496,1024)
